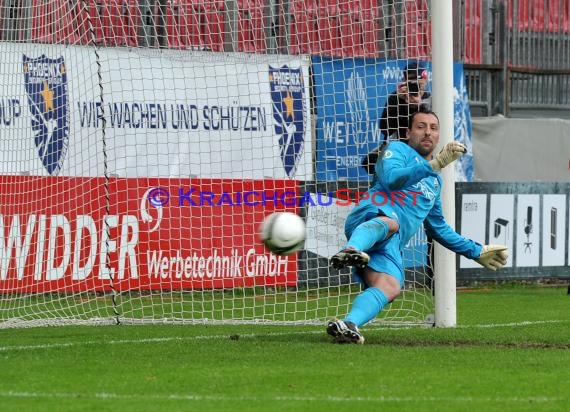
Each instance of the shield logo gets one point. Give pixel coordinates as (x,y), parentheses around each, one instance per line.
(45,81)
(287,94)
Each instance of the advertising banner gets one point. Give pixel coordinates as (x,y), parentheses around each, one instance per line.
(80,234)
(350,97)
(150,113)
(530,218)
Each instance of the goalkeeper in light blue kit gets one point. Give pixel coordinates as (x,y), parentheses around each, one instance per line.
(406,193)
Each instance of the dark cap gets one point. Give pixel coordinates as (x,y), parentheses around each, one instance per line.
(414,71)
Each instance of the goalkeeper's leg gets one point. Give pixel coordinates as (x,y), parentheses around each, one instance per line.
(370,302)
(366,306)
(383,280)
(363,238)
(369,234)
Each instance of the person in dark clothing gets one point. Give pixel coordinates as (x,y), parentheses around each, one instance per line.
(401,104)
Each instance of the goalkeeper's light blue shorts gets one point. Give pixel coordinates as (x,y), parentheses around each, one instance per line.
(386,256)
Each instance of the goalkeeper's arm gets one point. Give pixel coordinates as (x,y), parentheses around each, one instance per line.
(492,257)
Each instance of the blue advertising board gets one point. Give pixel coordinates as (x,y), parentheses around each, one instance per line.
(350,97)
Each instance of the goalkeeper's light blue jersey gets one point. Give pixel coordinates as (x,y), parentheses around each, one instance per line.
(407,189)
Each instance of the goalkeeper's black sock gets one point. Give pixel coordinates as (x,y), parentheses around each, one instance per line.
(367,234)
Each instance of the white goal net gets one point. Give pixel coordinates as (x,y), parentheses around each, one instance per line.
(143,142)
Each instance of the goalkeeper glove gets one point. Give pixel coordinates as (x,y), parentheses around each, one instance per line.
(450,153)
(493,257)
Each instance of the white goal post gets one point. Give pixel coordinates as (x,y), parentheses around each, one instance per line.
(144,141)
(442,54)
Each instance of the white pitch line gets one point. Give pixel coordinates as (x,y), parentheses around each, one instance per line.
(489,325)
(119,342)
(514,324)
(227,336)
(299,398)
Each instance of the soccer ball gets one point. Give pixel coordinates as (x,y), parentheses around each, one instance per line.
(283,233)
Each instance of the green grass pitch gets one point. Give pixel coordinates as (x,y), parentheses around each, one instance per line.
(510,352)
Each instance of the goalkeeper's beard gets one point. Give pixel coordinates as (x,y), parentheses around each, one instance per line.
(425,152)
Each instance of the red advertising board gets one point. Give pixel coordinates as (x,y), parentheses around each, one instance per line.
(92,234)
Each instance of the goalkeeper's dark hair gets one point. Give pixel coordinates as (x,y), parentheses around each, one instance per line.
(423,110)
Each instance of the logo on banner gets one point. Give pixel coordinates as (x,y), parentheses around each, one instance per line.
(46,87)
(287,88)
(462,127)
(357,114)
